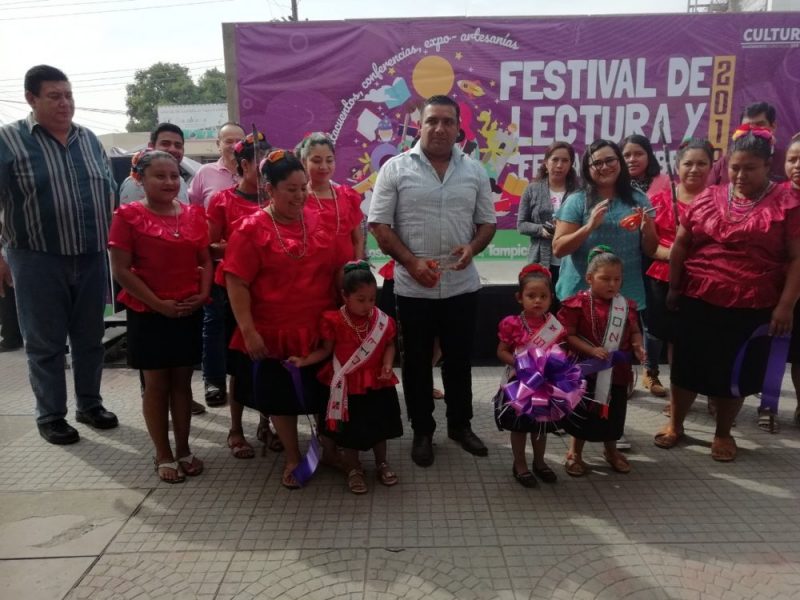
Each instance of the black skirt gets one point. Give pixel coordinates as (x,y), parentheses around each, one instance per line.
(159,342)
(374,417)
(588,421)
(794,346)
(269,389)
(706,341)
(660,321)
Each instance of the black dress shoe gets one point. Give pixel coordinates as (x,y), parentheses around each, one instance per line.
(422,449)
(468,440)
(97,417)
(215,394)
(6,346)
(58,432)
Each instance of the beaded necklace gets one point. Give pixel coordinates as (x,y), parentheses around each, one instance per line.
(593,316)
(525,325)
(746,207)
(280,239)
(176,233)
(335,204)
(361,330)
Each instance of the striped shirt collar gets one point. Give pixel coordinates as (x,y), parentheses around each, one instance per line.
(32,123)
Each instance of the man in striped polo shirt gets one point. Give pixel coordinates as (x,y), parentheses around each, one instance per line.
(56,200)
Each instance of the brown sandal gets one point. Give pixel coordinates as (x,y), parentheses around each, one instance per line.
(575,466)
(723,449)
(287,479)
(618,462)
(385,475)
(241,448)
(356,482)
(768,421)
(667,438)
(267,436)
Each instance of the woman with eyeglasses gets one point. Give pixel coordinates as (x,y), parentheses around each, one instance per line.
(279,270)
(604,212)
(734,269)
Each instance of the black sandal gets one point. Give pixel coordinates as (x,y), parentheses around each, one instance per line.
(546,474)
(525,479)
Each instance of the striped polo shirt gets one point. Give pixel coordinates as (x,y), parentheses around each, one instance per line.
(54,198)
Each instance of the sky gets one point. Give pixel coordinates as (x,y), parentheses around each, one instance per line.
(100,44)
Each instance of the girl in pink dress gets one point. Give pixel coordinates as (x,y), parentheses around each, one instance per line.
(534,326)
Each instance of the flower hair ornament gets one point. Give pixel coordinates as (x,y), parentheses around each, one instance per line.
(356,265)
(757,131)
(136,170)
(273,157)
(238,147)
(534,268)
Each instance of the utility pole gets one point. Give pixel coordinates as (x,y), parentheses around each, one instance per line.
(294,10)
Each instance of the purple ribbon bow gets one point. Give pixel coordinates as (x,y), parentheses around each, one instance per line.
(776,365)
(548,385)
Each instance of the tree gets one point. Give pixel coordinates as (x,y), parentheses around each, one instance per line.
(211,87)
(162,83)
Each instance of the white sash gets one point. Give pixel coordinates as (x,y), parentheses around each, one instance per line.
(617,316)
(547,334)
(337,402)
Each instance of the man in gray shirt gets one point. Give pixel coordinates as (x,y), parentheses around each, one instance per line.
(432,211)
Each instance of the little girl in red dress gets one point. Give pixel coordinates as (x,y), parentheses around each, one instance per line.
(599,321)
(363,410)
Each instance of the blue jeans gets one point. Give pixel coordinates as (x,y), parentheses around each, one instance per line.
(654,347)
(60,297)
(214,337)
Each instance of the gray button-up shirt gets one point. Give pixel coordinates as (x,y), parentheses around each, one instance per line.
(433,216)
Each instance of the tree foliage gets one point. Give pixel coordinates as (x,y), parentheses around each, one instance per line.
(169,83)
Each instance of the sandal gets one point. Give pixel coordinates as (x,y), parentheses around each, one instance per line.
(618,462)
(575,466)
(525,479)
(190,465)
(667,438)
(355,481)
(723,449)
(267,436)
(287,479)
(241,448)
(385,475)
(438,394)
(768,421)
(172,466)
(545,473)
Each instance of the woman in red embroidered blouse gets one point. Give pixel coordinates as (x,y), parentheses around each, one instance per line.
(792,166)
(279,271)
(226,209)
(694,159)
(339,205)
(734,266)
(159,255)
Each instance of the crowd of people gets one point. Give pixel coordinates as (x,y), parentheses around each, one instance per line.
(266,285)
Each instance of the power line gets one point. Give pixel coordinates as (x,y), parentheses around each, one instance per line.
(74,76)
(108,111)
(97,12)
(34,6)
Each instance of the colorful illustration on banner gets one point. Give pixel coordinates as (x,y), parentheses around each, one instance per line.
(472,88)
(433,76)
(392,96)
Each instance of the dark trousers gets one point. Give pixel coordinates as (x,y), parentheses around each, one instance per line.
(9,323)
(453,320)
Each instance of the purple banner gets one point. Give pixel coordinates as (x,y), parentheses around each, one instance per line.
(521,83)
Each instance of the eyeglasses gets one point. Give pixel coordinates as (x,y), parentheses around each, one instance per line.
(606,162)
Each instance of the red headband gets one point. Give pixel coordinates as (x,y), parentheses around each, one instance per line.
(534,268)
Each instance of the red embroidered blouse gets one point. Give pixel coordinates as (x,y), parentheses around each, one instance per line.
(226,209)
(511,331)
(288,295)
(348,203)
(576,316)
(737,261)
(345,343)
(665,228)
(168,264)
